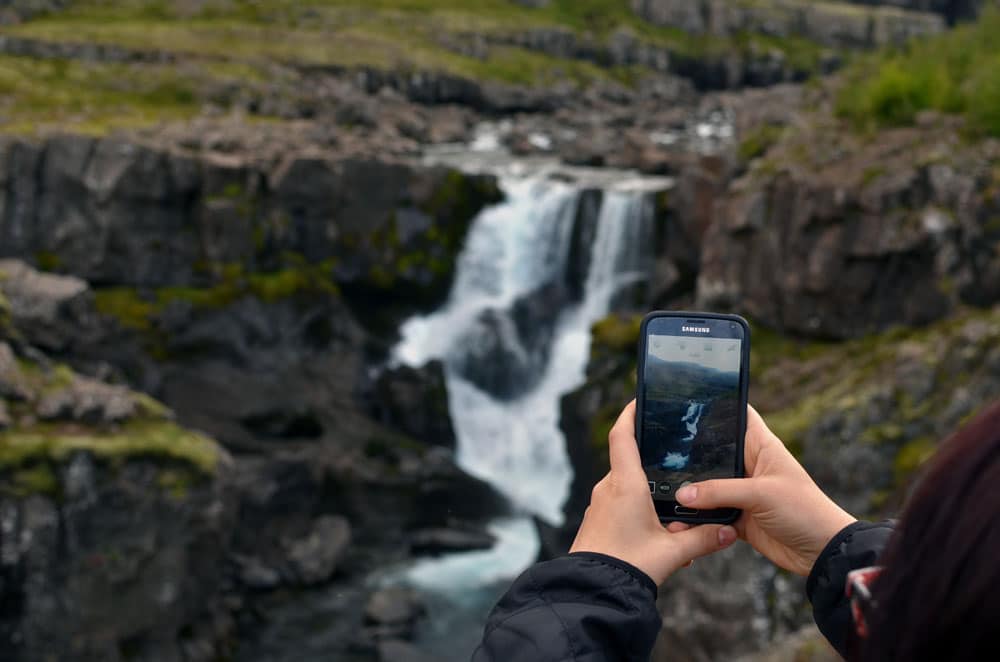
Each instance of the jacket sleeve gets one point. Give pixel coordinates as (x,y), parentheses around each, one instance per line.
(857,546)
(583,607)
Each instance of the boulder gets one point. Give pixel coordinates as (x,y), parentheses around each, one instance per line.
(87,400)
(393,612)
(49,309)
(492,356)
(314,558)
(505,352)
(415,402)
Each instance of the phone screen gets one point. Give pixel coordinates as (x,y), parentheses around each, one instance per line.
(691,420)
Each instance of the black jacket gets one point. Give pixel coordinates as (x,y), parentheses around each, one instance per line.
(593,608)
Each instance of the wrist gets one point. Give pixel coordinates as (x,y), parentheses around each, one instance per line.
(834,526)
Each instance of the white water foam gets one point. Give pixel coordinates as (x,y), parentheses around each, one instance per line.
(516,444)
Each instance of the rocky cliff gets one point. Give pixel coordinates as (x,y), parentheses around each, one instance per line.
(241,293)
(830,24)
(102,494)
(820,234)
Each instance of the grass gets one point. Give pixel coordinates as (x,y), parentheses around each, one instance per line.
(89,97)
(956,73)
(143,438)
(237,44)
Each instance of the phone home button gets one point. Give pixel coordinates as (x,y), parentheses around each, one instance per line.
(681,510)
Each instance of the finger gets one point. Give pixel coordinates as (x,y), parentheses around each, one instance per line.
(720,493)
(701,540)
(677,527)
(622,446)
(757,432)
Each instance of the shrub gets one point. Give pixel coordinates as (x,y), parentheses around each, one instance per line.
(956,72)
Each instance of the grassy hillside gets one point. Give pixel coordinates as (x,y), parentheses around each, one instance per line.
(221,45)
(958,72)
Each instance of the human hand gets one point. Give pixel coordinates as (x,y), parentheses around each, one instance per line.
(786,517)
(621,521)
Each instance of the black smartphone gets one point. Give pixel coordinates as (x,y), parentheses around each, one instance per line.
(691,406)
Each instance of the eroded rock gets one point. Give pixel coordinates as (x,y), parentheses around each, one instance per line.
(314,558)
(87,400)
(50,309)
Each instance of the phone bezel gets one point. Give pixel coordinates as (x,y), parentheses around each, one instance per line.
(664,508)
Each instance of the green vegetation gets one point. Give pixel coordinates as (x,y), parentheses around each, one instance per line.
(846,376)
(911,457)
(141,438)
(37,478)
(758,141)
(47,261)
(227,44)
(136,310)
(618,333)
(90,97)
(31,452)
(957,72)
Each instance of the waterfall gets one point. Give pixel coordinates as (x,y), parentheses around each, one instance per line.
(514,251)
(690,420)
(514,336)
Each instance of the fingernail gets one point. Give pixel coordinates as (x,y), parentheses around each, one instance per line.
(687,494)
(727,535)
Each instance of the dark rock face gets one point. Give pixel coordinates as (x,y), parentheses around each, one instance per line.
(826,256)
(414,401)
(505,353)
(114,212)
(830,24)
(864,442)
(199,303)
(588,208)
(115,533)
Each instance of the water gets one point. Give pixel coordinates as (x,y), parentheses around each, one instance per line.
(690,420)
(513,440)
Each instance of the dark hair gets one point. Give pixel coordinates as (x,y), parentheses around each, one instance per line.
(938,597)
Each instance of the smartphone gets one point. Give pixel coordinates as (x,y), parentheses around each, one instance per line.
(691,406)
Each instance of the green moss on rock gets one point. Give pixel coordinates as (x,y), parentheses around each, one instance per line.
(37,478)
(618,333)
(141,438)
(910,457)
(758,141)
(137,311)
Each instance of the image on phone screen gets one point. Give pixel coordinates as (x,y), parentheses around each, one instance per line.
(690,410)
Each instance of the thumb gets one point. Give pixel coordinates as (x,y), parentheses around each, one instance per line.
(699,541)
(739,493)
